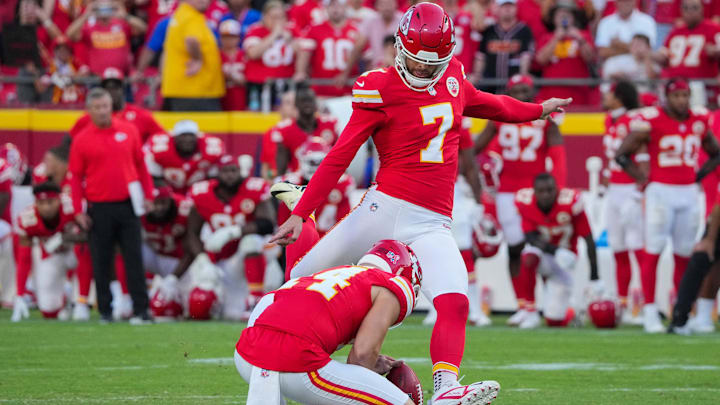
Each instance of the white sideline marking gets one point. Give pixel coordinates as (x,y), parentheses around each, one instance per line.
(214,360)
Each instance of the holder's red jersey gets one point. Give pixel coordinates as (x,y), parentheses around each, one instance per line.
(616,129)
(416,135)
(330,48)
(235,98)
(686,51)
(139,117)
(290,135)
(163,160)
(467,40)
(277,62)
(238,211)
(673,145)
(166,238)
(312,317)
(335,208)
(563,225)
(524,150)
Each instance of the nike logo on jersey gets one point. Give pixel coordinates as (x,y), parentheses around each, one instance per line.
(361,84)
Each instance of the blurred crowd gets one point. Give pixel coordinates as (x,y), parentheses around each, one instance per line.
(195,55)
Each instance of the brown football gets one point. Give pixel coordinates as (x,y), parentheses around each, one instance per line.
(404,378)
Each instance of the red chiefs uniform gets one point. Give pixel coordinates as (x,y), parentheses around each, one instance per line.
(304,13)
(562,226)
(524,150)
(686,51)
(467,40)
(312,317)
(235,98)
(290,135)
(673,146)
(7,179)
(141,118)
(615,132)
(164,161)
(167,238)
(330,49)
(29,223)
(277,62)
(240,210)
(416,135)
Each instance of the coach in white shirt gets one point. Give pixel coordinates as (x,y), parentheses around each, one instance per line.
(615,31)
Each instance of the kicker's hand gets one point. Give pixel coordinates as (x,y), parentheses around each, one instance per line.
(554,105)
(288,232)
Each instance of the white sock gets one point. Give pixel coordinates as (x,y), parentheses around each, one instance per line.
(704,309)
(473,300)
(442,378)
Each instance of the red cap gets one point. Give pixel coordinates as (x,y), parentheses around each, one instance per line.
(676,84)
(112,73)
(519,79)
(46,195)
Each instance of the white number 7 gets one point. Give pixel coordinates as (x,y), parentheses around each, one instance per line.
(433,153)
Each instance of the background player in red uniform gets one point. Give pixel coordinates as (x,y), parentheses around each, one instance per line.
(524,149)
(673,133)
(553,219)
(238,212)
(291,134)
(287,112)
(413,111)
(184,158)
(11,172)
(286,348)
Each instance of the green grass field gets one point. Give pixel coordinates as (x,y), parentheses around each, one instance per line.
(191,363)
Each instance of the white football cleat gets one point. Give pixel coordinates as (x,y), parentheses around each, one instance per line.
(122,307)
(532,320)
(81,312)
(651,319)
(627,318)
(288,193)
(517,318)
(63,315)
(430,318)
(699,324)
(680,330)
(480,320)
(479,393)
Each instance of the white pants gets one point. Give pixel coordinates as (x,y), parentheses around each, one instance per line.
(671,211)
(50,276)
(156,263)
(623,213)
(7,265)
(464,209)
(379,216)
(509,218)
(235,288)
(335,383)
(558,284)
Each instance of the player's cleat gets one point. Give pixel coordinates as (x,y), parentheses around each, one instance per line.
(288,193)
(430,318)
(517,318)
(144,319)
(651,319)
(63,315)
(122,307)
(699,324)
(483,392)
(679,330)
(106,319)
(481,320)
(627,318)
(81,312)
(531,321)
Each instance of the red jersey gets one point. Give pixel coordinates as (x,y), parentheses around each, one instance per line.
(616,129)
(7,179)
(238,211)
(416,135)
(467,40)
(335,208)
(673,145)
(290,135)
(312,317)
(31,225)
(163,160)
(107,45)
(269,144)
(39,176)
(277,62)
(139,117)
(566,62)
(235,98)
(686,51)
(167,238)
(524,150)
(330,48)
(156,10)
(562,226)
(304,13)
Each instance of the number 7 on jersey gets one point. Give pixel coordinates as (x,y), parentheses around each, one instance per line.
(433,153)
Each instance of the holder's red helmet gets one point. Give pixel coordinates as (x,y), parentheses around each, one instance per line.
(603,313)
(425,35)
(396,258)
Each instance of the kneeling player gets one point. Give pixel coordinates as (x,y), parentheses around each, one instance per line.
(285,350)
(552,221)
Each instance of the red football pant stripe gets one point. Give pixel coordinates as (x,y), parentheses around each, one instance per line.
(345,392)
(448,336)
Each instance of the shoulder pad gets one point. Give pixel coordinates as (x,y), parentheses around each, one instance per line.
(284,123)
(524,196)
(366,91)
(699,110)
(27,218)
(199,188)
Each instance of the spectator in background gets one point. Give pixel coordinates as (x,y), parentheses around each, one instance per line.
(288,112)
(377,28)
(665,13)
(192,78)
(233,66)
(468,26)
(63,12)
(566,52)
(325,51)
(117,195)
(269,50)
(531,13)
(636,66)
(37,90)
(359,12)
(506,47)
(389,51)
(304,13)
(155,11)
(241,12)
(152,49)
(105,28)
(615,31)
(63,72)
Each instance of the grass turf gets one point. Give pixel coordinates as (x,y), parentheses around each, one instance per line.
(191,363)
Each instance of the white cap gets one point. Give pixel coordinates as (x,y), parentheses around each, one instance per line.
(185,127)
(230,27)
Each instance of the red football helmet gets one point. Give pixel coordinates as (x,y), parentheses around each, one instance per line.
(425,35)
(202,303)
(604,313)
(487,236)
(397,258)
(162,308)
(310,154)
(490,165)
(12,155)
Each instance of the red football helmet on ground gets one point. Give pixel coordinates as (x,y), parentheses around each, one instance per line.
(396,258)
(490,165)
(604,313)
(11,154)
(163,308)
(310,154)
(202,303)
(487,236)
(425,35)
